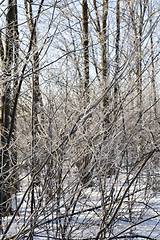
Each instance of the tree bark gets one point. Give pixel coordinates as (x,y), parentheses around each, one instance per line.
(5,108)
(105,70)
(36,100)
(153,70)
(85,53)
(84,161)
(116,87)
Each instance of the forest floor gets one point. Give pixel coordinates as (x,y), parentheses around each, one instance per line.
(137,218)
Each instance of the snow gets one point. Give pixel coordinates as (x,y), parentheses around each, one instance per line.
(82,218)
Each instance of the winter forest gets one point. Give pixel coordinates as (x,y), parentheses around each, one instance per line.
(79,119)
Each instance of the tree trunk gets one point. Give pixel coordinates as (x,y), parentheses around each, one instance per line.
(153,71)
(116,87)
(85,53)
(105,67)
(5,108)
(84,162)
(36,100)
(15,84)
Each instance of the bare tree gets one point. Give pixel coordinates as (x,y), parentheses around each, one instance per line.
(78,73)
(7,57)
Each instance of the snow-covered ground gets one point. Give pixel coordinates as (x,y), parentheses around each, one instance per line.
(79,214)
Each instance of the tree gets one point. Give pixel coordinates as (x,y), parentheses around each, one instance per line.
(84,163)
(79,75)
(8,57)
